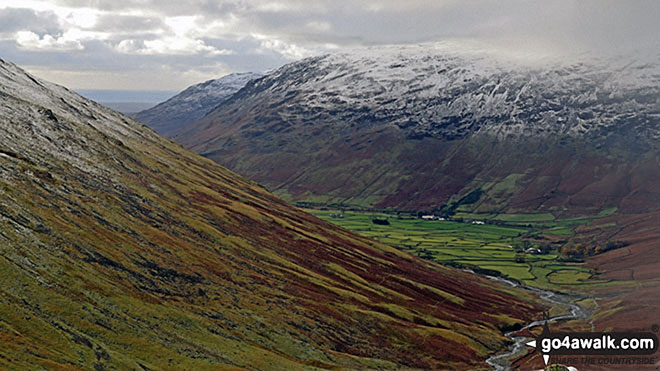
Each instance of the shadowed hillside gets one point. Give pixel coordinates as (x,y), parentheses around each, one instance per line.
(420,127)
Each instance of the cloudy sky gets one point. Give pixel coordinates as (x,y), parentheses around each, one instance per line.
(170,44)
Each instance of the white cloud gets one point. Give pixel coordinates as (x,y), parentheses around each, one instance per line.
(182,25)
(169,46)
(29,40)
(263,34)
(129,46)
(82,18)
(178,39)
(288,50)
(273,6)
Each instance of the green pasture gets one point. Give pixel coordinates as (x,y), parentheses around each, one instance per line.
(484,246)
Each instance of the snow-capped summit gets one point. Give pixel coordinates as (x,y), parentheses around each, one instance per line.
(435,90)
(191,104)
(421,126)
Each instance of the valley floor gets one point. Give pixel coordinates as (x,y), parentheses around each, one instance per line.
(510,250)
(523,248)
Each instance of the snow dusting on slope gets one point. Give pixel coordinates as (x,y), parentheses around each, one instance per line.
(444,90)
(191,104)
(72,129)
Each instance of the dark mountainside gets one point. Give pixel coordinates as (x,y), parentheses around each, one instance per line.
(416,128)
(193,103)
(440,129)
(120,249)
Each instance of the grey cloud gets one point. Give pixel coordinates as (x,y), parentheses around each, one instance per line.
(164,7)
(569,25)
(19,19)
(262,33)
(128,24)
(572,24)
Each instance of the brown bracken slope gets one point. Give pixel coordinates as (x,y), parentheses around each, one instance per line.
(419,127)
(120,249)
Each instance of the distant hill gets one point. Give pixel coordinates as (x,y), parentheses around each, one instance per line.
(193,103)
(119,249)
(423,127)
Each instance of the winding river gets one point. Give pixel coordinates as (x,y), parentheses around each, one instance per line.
(501,361)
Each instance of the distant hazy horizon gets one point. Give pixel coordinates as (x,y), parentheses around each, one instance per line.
(127,101)
(127,96)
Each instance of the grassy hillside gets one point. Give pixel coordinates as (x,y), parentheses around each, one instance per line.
(119,249)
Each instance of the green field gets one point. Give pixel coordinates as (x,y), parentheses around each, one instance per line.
(483,246)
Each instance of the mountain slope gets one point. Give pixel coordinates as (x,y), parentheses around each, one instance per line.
(193,103)
(418,127)
(120,249)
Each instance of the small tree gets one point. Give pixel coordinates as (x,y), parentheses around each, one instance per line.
(545,248)
(576,251)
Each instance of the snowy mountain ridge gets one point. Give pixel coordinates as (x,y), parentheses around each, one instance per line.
(440,92)
(193,103)
(418,127)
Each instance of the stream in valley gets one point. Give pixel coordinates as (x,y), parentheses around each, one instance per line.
(502,361)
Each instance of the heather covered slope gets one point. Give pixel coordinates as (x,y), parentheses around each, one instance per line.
(121,249)
(190,105)
(417,127)
(634,301)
